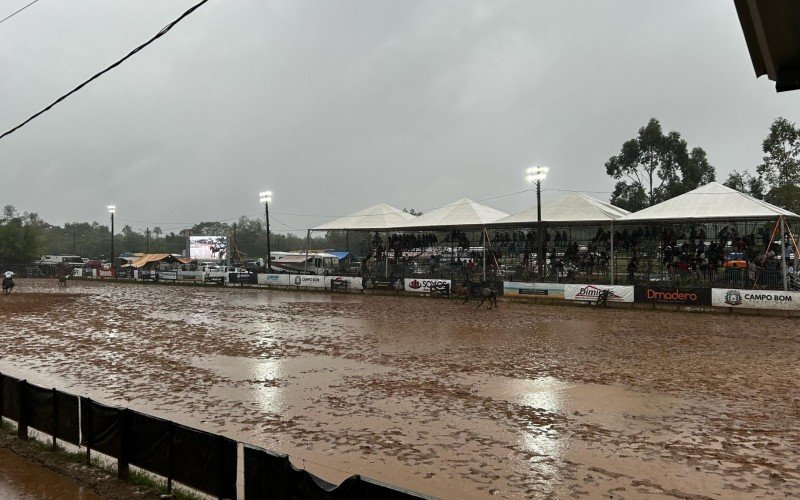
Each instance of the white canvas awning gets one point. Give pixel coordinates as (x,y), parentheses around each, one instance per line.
(378,217)
(460,213)
(572,208)
(710,202)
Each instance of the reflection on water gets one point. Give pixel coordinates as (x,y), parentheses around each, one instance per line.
(22,479)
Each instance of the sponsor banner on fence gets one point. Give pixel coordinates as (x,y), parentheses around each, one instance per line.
(105,273)
(274,279)
(355,282)
(168,275)
(307,280)
(77,272)
(533,290)
(755,299)
(666,295)
(420,285)
(616,293)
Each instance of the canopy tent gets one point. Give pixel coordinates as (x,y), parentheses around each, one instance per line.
(156,257)
(463,213)
(378,217)
(773,40)
(708,203)
(572,208)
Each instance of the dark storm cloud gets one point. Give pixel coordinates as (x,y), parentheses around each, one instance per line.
(336,106)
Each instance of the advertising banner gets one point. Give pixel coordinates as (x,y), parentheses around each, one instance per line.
(666,295)
(168,275)
(419,285)
(274,279)
(590,293)
(105,273)
(307,280)
(77,272)
(755,299)
(355,282)
(533,290)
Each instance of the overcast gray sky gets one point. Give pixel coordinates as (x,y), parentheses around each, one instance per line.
(338,105)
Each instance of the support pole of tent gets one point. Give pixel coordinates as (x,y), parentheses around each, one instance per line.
(386,254)
(612,252)
(308,242)
(783,253)
(484,254)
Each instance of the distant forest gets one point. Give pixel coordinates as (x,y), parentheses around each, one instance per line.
(26,237)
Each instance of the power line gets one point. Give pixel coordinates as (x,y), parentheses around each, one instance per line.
(98,75)
(16,12)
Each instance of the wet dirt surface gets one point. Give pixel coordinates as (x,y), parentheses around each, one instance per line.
(432,395)
(24,479)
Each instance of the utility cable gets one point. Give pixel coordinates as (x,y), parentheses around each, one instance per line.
(16,12)
(98,75)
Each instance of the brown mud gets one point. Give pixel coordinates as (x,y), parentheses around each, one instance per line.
(433,395)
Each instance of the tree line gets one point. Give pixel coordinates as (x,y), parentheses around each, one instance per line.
(26,237)
(655,166)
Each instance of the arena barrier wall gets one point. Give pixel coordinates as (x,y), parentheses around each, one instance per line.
(678,296)
(200,460)
(533,290)
(616,293)
(267,469)
(755,299)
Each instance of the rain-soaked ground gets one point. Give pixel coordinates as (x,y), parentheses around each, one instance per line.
(23,479)
(526,400)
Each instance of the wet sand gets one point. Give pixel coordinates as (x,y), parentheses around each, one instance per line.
(436,396)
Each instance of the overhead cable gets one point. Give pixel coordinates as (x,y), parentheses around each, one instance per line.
(98,75)
(16,12)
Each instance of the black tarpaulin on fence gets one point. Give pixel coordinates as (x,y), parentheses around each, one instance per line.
(53,412)
(100,426)
(269,475)
(9,393)
(204,461)
(149,443)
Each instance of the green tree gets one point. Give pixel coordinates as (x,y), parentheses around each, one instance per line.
(746,183)
(19,242)
(654,166)
(780,171)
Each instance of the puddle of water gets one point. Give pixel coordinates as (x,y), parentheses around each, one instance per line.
(23,479)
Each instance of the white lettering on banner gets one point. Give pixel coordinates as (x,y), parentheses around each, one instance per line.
(755,299)
(310,281)
(418,285)
(355,282)
(533,290)
(274,279)
(592,292)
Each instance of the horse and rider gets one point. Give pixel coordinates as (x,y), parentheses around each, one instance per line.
(477,290)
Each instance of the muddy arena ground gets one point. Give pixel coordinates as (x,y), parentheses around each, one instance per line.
(434,395)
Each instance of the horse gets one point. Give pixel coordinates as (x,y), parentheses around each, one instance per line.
(8,285)
(478,291)
(62,280)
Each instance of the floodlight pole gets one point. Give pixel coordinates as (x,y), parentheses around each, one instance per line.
(269,250)
(111,210)
(265,197)
(539,225)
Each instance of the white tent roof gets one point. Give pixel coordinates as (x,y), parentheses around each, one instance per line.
(463,212)
(712,201)
(380,216)
(570,208)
